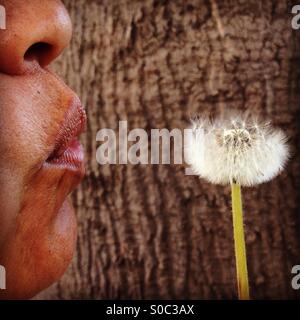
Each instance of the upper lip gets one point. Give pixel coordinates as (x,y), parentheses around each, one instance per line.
(73,125)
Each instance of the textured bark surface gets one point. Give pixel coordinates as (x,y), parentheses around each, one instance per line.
(151,231)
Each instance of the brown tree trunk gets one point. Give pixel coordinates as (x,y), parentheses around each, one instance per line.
(150,231)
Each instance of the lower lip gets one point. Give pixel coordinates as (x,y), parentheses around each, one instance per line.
(72,158)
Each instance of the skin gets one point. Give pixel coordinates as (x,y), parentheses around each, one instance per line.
(37,222)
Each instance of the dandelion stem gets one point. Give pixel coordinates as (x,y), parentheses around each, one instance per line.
(239,243)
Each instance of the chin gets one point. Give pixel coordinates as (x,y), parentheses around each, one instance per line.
(39,251)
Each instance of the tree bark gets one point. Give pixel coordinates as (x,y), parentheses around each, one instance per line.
(150,231)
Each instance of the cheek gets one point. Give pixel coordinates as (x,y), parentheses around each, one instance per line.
(10,199)
(30,116)
(25,133)
(26,125)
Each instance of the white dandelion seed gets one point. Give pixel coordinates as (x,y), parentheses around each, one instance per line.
(237,149)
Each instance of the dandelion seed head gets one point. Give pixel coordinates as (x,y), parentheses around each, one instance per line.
(237,148)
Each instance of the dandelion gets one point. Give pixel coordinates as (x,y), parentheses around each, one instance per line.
(241,151)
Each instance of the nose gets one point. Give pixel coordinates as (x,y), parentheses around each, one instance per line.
(36,33)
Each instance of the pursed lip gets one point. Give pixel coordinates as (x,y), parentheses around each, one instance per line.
(68,152)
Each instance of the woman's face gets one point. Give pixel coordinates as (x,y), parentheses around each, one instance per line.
(41,161)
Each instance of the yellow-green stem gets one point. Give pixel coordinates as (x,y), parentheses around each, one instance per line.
(239,243)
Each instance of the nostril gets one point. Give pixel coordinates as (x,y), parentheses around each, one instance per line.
(24,51)
(38,52)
